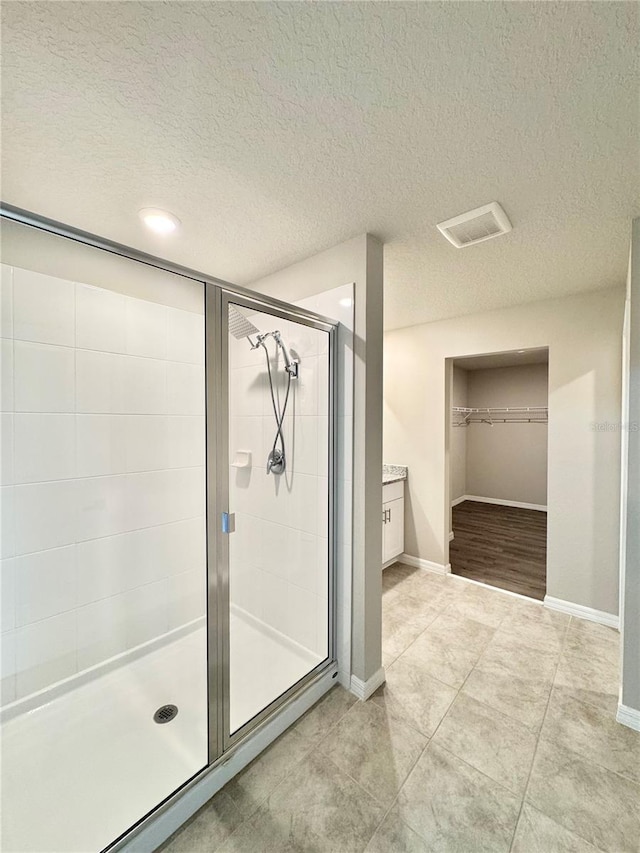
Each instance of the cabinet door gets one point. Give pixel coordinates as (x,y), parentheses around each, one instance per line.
(393,529)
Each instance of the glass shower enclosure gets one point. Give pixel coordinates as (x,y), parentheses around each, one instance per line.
(167,528)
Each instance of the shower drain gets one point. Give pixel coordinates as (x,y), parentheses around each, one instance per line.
(165,714)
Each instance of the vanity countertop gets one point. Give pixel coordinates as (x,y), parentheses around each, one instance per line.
(393,473)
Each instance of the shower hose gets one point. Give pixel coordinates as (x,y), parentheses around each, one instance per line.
(276,461)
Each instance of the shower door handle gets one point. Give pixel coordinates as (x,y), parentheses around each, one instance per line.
(228,522)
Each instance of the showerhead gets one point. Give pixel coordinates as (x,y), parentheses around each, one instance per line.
(239,326)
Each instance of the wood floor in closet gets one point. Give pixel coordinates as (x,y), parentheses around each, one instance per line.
(500,545)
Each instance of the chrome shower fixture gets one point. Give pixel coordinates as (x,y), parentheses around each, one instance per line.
(290,364)
(240,328)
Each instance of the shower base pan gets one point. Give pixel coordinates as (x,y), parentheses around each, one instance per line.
(80,769)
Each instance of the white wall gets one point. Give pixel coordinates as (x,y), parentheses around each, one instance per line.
(458,436)
(507,461)
(583,334)
(358,261)
(102,474)
(631,556)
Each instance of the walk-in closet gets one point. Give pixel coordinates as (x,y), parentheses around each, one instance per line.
(498,470)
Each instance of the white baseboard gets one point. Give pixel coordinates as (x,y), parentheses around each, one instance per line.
(459,500)
(600,616)
(364,689)
(391,561)
(628,717)
(499,502)
(419,563)
(451,535)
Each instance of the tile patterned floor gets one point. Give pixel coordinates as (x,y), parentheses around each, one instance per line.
(494,732)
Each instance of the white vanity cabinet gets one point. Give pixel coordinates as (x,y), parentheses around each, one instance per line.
(392,521)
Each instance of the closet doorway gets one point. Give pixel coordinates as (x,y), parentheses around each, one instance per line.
(498,469)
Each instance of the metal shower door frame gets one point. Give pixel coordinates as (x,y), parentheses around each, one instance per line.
(217,301)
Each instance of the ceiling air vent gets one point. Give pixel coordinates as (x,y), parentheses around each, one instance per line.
(477,225)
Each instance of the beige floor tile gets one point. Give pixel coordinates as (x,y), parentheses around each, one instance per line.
(594,734)
(515,656)
(375,747)
(395,575)
(455,807)
(589,680)
(403,620)
(481,605)
(587,799)
(394,836)
(449,648)
(497,745)
(317,808)
(207,829)
(250,788)
(537,833)
(429,588)
(411,692)
(521,698)
(315,724)
(593,642)
(537,627)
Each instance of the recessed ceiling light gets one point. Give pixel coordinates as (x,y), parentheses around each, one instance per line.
(347,302)
(160,221)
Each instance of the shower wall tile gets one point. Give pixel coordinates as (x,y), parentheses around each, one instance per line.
(45,584)
(44,447)
(44,516)
(6,448)
(6,376)
(99,382)
(185,389)
(145,386)
(102,631)
(146,613)
(43,308)
(103,490)
(100,319)
(185,441)
(146,329)
(44,378)
(185,336)
(145,439)
(7,667)
(46,652)
(7,594)
(279,563)
(7,518)
(6,301)
(186,597)
(100,445)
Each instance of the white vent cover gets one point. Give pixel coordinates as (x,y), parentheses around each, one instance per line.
(477,225)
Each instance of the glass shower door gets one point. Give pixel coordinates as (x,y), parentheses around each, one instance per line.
(103,573)
(277,372)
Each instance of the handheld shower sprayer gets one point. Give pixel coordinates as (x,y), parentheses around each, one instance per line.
(240,328)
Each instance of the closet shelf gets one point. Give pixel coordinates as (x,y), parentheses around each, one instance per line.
(463,415)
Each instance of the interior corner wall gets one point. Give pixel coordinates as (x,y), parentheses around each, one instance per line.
(631,556)
(359,261)
(584,336)
(459,385)
(508,461)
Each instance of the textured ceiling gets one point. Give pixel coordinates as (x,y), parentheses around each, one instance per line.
(276,130)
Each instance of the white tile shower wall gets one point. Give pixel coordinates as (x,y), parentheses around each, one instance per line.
(279,553)
(102,499)
(280,559)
